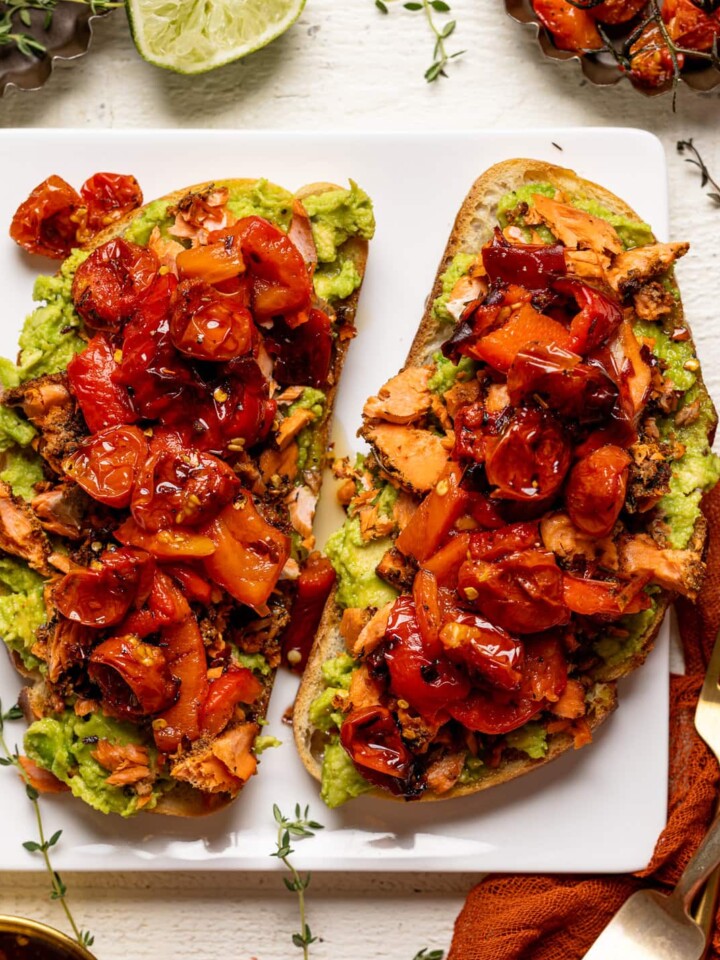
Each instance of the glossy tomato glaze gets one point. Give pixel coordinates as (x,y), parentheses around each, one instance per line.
(188,344)
(494,631)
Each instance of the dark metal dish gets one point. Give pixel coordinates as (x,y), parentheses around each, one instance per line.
(602,67)
(67,37)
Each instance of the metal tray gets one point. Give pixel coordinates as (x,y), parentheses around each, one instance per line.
(601,68)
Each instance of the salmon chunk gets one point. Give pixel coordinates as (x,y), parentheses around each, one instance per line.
(414,458)
(403,399)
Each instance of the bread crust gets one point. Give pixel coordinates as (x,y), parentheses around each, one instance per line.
(472,228)
(184,800)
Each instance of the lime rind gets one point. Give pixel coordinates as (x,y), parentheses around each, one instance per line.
(194,36)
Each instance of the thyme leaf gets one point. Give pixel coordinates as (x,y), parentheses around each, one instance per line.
(697,161)
(441,31)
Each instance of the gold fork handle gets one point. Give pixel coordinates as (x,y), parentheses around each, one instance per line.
(707,908)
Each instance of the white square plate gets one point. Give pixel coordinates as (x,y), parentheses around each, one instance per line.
(600,809)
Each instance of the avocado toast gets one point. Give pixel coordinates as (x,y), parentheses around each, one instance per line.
(529,507)
(163,435)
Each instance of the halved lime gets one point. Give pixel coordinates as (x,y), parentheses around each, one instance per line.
(193,36)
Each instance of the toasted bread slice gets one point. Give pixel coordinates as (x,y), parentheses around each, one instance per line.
(185,798)
(473,228)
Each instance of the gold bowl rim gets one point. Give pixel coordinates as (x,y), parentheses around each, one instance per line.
(48,936)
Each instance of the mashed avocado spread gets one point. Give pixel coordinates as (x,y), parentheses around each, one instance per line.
(22,610)
(64,745)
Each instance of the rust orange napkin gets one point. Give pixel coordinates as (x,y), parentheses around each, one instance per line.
(558,917)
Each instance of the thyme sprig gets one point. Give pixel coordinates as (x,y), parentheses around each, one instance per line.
(697,161)
(43,845)
(287,830)
(441,33)
(29,46)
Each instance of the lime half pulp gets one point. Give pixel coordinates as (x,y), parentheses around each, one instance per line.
(193,36)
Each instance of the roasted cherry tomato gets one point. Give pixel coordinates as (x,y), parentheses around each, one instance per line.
(208,325)
(525,325)
(162,382)
(595,491)
(166,604)
(532,266)
(281,283)
(571,388)
(479,645)
(101,597)
(689,26)
(240,408)
(651,60)
(103,402)
(236,685)
(133,676)
(107,464)
(473,427)
(44,223)
(316,580)
(185,652)
(180,487)
(605,598)
(544,673)
(249,554)
(419,672)
(530,459)
(613,12)
(212,262)
(172,543)
(571,28)
(435,517)
(495,544)
(599,317)
(372,739)
(522,593)
(107,197)
(302,354)
(112,282)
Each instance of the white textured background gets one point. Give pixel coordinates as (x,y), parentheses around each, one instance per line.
(345,66)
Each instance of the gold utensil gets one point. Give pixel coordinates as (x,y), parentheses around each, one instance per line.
(22,939)
(655,926)
(707,724)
